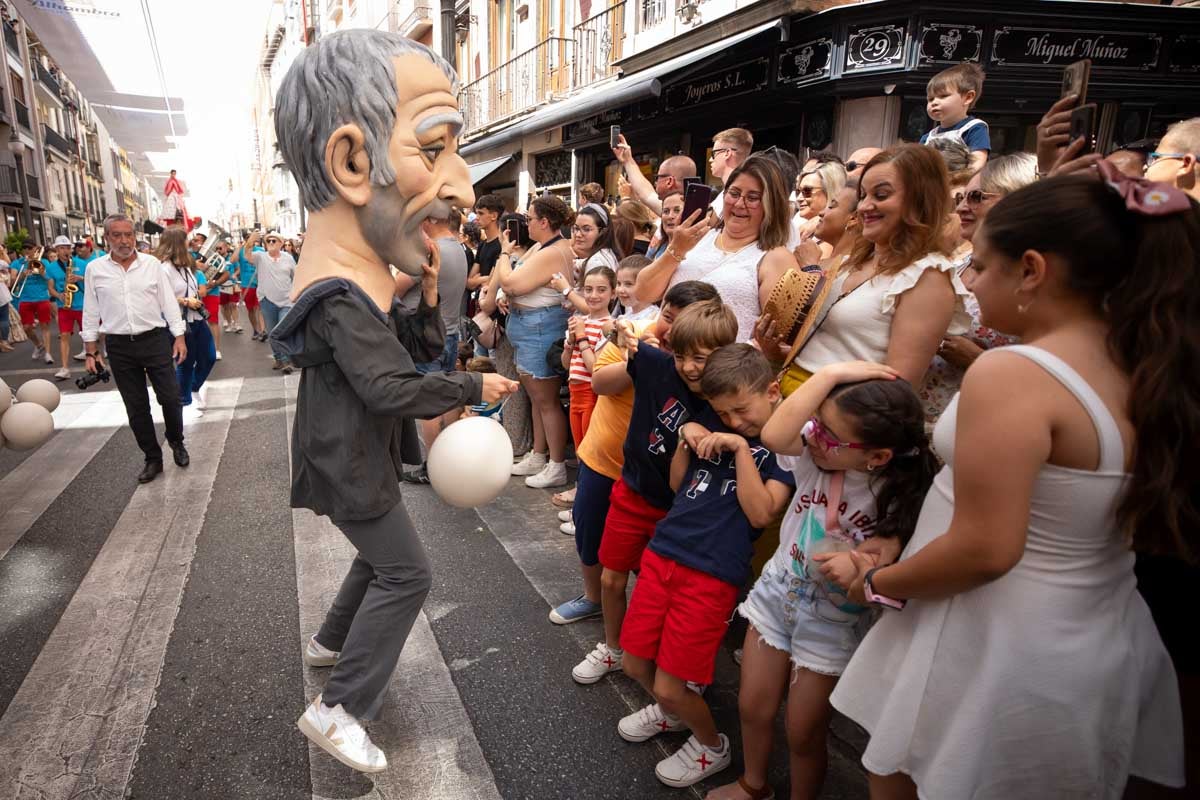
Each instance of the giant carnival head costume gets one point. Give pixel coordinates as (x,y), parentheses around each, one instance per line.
(368,123)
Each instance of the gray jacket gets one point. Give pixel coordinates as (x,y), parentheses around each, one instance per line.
(359,394)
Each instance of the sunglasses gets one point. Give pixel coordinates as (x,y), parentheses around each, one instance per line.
(814,431)
(808,191)
(974,197)
(852,165)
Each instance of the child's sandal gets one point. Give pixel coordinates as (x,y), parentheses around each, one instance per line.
(763,793)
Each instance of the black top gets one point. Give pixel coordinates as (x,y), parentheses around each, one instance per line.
(359,394)
(486,256)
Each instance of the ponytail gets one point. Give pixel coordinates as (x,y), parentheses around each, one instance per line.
(1141,274)
(889,415)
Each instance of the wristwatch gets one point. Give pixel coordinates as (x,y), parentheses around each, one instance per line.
(879,599)
(567,291)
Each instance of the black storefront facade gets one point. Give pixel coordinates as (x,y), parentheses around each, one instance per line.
(855,76)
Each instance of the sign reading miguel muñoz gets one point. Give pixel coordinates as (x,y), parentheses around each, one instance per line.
(1054,47)
(721,85)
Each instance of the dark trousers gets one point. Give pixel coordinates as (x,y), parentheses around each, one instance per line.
(133,359)
(374,610)
(201,357)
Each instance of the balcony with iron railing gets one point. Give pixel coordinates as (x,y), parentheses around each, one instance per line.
(56,141)
(35,187)
(10,39)
(23,115)
(519,85)
(599,41)
(8,180)
(411,18)
(48,79)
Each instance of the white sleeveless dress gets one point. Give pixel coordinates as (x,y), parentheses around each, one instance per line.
(734,276)
(1048,682)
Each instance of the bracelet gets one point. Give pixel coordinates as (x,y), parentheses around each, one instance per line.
(567,291)
(671,252)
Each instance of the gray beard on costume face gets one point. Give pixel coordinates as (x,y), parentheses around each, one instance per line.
(393,230)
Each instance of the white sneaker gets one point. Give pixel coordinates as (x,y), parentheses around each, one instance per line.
(647,723)
(49,359)
(80,356)
(62,375)
(37,352)
(200,398)
(531,464)
(218,355)
(566,528)
(317,656)
(565,516)
(553,474)
(597,664)
(693,763)
(191,414)
(342,736)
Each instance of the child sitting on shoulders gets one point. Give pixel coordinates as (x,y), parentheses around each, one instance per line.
(853,437)
(728,486)
(950,96)
(630,307)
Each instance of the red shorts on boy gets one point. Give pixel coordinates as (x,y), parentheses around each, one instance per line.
(677,618)
(34,311)
(69,320)
(627,528)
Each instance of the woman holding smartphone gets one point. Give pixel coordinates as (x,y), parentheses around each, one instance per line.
(537,318)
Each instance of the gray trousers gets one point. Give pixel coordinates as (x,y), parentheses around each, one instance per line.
(374,610)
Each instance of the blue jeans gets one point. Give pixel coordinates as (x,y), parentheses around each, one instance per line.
(4,329)
(201,356)
(271,316)
(449,360)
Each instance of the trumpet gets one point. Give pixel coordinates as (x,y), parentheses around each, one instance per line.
(32,266)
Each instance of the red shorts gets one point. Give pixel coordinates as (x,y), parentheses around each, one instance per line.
(212,304)
(29,309)
(230,298)
(627,528)
(69,320)
(677,618)
(251,296)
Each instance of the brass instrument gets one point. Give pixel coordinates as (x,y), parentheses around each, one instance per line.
(214,263)
(32,266)
(71,288)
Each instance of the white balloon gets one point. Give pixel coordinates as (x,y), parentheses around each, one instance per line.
(5,399)
(26,426)
(470,462)
(40,391)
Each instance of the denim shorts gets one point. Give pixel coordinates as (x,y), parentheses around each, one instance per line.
(449,360)
(794,614)
(532,332)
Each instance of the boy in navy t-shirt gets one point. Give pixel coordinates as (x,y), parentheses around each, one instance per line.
(727,489)
(950,96)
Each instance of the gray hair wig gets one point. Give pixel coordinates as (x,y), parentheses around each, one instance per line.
(346,78)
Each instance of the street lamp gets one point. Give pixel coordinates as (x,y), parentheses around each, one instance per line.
(17,148)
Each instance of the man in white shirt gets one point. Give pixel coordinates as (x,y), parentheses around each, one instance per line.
(275,272)
(143,331)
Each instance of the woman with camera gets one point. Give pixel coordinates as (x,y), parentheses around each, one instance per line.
(187,282)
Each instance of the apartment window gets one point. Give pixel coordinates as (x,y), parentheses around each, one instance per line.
(652,13)
(18,86)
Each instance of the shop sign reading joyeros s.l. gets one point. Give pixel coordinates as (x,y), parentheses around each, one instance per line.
(1056,47)
(748,77)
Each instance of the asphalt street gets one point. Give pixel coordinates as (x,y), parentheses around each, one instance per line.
(150,636)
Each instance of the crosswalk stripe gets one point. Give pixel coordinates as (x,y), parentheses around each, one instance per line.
(423,729)
(76,723)
(84,424)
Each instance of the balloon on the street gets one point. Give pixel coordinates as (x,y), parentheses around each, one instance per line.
(470,462)
(26,426)
(40,391)
(5,398)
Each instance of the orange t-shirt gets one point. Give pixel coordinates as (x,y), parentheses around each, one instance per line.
(603,447)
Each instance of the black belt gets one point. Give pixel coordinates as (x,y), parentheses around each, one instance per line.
(136,337)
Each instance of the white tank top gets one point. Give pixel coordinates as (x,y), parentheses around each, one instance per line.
(734,276)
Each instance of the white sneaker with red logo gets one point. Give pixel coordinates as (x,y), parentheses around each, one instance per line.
(648,723)
(598,663)
(694,762)
(342,736)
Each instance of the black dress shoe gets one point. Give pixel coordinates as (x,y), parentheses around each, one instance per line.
(151,471)
(181,455)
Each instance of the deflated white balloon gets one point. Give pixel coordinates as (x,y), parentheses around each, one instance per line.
(470,462)
(26,426)
(40,391)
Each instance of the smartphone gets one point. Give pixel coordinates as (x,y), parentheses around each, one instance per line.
(1075,80)
(697,197)
(689,181)
(614,136)
(1083,126)
(513,228)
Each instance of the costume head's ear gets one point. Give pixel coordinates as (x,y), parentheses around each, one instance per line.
(348,164)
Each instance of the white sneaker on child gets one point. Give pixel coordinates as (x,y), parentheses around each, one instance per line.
(565,516)
(694,762)
(648,723)
(598,663)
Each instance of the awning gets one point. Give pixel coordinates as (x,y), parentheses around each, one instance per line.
(623,91)
(485,168)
